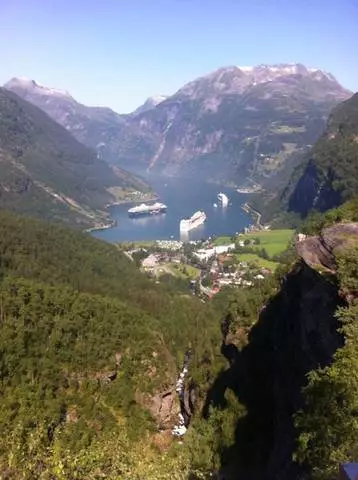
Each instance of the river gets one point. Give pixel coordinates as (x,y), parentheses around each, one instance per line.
(183,197)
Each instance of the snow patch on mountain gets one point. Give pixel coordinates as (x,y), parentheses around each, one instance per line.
(32,85)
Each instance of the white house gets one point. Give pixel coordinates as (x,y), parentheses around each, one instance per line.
(150,262)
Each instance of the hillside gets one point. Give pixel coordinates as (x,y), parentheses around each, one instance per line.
(46,172)
(331,175)
(90,354)
(93,126)
(243,125)
(292,368)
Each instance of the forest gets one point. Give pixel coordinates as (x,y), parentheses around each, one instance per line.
(86,342)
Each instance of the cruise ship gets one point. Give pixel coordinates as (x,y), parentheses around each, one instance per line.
(145,209)
(224,199)
(194,221)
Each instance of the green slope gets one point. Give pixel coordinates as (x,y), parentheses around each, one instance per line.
(86,343)
(47,173)
(326,178)
(331,175)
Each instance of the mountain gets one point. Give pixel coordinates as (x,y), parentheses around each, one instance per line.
(246,124)
(330,175)
(93,126)
(149,104)
(46,172)
(241,125)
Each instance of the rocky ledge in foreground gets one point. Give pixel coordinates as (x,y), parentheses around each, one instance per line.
(321,250)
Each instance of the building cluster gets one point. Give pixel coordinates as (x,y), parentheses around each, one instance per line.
(174,245)
(218,265)
(204,254)
(241,274)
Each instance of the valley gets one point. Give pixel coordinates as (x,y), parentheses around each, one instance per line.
(133,350)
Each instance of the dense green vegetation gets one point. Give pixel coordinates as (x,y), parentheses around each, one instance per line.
(324,178)
(315,222)
(45,172)
(86,342)
(331,176)
(264,353)
(328,423)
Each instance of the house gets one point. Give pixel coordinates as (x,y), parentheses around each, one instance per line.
(150,262)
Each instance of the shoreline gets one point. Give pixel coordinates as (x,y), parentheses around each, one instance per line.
(114,223)
(105,226)
(251,211)
(128,201)
(248,190)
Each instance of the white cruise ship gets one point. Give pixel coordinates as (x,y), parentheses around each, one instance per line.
(145,209)
(224,199)
(197,219)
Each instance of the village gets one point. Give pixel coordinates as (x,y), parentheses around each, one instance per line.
(209,265)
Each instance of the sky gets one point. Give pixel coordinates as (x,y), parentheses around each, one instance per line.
(117,53)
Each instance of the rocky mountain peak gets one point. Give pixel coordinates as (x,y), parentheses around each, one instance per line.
(32,87)
(236,79)
(150,103)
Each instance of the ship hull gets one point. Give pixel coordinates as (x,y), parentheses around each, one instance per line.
(147,213)
(184,227)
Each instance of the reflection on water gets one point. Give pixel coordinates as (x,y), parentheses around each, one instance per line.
(148,220)
(197,233)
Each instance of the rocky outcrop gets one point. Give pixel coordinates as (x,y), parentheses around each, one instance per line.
(296,332)
(321,251)
(165,408)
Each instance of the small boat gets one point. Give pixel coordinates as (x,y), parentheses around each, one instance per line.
(215,205)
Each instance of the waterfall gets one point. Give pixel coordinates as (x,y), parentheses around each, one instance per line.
(183,418)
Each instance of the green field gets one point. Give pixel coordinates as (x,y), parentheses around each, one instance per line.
(184,271)
(253,259)
(223,240)
(273,241)
(137,244)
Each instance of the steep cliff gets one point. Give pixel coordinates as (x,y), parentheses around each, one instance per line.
(331,175)
(297,332)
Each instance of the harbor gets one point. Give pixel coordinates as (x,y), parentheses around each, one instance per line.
(182,198)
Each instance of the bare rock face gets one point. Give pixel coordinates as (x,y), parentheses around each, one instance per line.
(235,123)
(315,254)
(296,332)
(165,408)
(338,237)
(320,251)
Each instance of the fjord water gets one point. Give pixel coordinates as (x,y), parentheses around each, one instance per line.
(183,197)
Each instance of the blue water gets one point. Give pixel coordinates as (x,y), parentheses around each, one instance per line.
(183,198)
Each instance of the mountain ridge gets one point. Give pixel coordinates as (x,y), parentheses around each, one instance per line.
(235,124)
(46,172)
(329,177)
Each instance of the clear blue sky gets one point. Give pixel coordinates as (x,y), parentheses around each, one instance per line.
(118,52)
